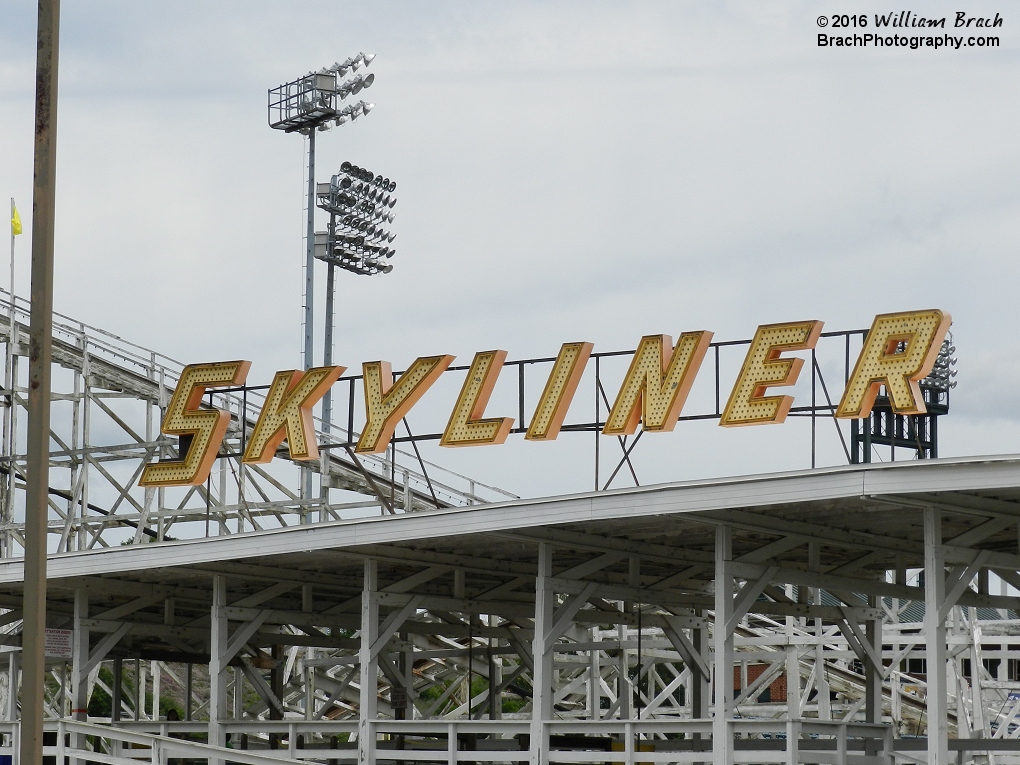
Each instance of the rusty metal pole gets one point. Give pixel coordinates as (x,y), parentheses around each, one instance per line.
(40,351)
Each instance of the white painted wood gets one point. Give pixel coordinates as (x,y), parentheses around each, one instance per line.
(369,697)
(722,740)
(935,639)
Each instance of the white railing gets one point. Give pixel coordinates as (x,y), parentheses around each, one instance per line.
(794,742)
(129,748)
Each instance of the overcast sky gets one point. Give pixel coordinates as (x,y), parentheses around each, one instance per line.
(567,171)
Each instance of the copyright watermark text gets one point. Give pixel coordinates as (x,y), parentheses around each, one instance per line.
(906,29)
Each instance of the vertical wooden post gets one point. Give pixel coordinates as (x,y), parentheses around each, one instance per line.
(369,665)
(935,638)
(39,383)
(79,658)
(217,670)
(541,703)
(722,742)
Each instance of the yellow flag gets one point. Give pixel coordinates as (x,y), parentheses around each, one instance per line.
(15,221)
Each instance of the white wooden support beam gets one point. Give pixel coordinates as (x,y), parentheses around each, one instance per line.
(79,658)
(130,607)
(765,678)
(523,650)
(594,676)
(960,581)
(629,596)
(507,609)
(409,583)
(499,591)
(855,565)
(369,695)
(389,670)
(772,549)
(1010,577)
(935,639)
(495,675)
(746,597)
(336,693)
(821,680)
(242,635)
(104,647)
(685,647)
(701,688)
(591,566)
(564,615)
(874,675)
(1006,723)
(263,595)
(438,703)
(859,642)
(10,713)
(722,741)
(982,532)
(393,622)
(260,685)
(541,702)
(815,579)
(793,711)
(666,694)
(217,667)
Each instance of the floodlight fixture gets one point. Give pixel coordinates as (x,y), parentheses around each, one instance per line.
(305,103)
(943,371)
(359,202)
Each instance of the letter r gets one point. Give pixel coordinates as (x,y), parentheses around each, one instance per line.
(900,350)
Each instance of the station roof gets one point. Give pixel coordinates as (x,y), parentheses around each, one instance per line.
(858,521)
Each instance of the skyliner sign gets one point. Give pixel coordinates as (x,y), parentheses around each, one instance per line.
(899,351)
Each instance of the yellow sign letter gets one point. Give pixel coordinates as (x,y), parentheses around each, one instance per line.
(652,393)
(900,349)
(466,428)
(288,413)
(763,368)
(206,427)
(559,390)
(386,402)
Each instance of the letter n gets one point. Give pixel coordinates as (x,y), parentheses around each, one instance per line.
(652,392)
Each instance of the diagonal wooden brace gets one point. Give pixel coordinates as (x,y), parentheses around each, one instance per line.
(565,613)
(393,622)
(241,636)
(104,647)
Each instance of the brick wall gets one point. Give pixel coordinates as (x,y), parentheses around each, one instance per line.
(776,689)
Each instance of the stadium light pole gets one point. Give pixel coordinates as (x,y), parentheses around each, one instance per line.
(309,105)
(39,385)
